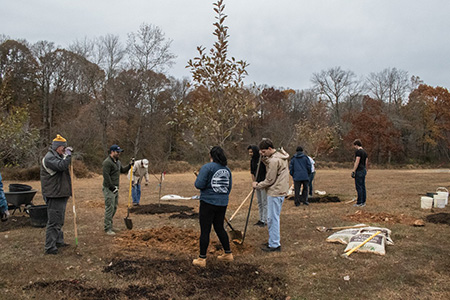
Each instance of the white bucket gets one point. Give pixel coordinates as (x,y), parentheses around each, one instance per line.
(439,201)
(426,202)
(443,192)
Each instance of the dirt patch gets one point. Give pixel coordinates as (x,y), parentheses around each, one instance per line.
(440,218)
(324,199)
(15,223)
(321,199)
(178,279)
(78,289)
(170,240)
(361,216)
(152,209)
(93,204)
(173,279)
(183,215)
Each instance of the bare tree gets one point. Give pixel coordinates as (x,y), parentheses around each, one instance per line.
(148,49)
(336,85)
(113,53)
(389,85)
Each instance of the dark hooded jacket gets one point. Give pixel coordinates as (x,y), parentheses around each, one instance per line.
(55,176)
(300,167)
(254,165)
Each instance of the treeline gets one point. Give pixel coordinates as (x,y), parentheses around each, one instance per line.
(99,92)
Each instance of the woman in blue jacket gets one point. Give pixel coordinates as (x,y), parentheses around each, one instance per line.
(214,183)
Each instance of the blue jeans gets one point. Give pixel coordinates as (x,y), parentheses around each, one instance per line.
(360,184)
(136,193)
(311,178)
(261,195)
(3,203)
(274,205)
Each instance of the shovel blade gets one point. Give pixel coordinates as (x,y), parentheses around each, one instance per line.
(128,223)
(236,236)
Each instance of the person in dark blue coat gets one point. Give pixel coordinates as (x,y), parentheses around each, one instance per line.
(300,170)
(214,182)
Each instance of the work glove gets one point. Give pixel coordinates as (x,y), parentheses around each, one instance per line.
(132,161)
(68,151)
(353,174)
(114,189)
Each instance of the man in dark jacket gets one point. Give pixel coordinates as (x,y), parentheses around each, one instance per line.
(111,174)
(300,169)
(56,187)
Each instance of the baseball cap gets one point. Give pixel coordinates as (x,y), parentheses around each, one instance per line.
(145,163)
(115,148)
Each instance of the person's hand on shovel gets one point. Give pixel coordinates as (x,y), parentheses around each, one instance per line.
(254,184)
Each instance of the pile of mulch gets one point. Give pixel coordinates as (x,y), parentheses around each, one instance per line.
(440,218)
(362,216)
(169,239)
(171,279)
(183,215)
(154,208)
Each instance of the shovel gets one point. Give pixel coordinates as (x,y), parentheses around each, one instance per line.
(73,205)
(347,254)
(249,194)
(250,206)
(128,221)
(325,229)
(235,235)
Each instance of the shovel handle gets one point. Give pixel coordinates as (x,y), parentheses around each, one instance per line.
(129,192)
(363,243)
(73,206)
(228,223)
(249,194)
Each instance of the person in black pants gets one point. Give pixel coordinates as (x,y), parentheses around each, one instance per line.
(214,182)
(300,170)
(359,172)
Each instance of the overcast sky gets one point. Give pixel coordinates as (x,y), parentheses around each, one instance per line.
(284,41)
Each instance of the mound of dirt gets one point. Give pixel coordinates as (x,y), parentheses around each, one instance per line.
(15,223)
(153,208)
(183,215)
(440,218)
(169,239)
(361,216)
(172,279)
(178,279)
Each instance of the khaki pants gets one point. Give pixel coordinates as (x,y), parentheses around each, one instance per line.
(111,202)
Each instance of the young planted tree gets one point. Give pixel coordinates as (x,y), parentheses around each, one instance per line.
(218,103)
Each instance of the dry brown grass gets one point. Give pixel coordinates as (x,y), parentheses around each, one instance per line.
(416,267)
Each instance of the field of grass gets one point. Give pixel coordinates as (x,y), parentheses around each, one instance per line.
(153,260)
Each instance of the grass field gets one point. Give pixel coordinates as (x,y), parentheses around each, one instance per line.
(153,261)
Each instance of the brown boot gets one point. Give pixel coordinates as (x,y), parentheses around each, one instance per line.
(199,262)
(226,257)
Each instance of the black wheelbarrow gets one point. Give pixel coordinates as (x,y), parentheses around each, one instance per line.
(17,199)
